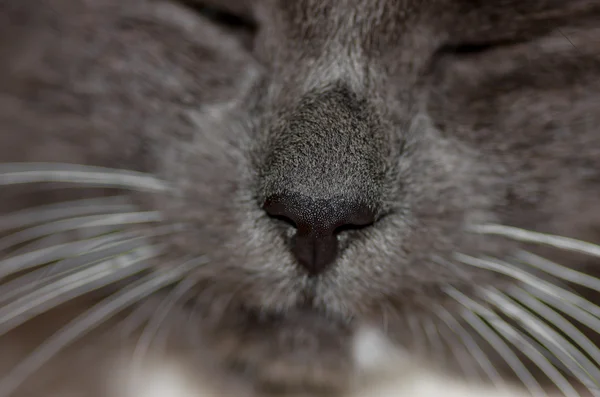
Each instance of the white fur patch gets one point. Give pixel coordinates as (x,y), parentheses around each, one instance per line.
(158,378)
(387,371)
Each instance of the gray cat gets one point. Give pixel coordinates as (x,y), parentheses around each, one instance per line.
(243,185)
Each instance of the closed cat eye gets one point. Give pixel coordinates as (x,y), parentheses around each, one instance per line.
(221,15)
(475,48)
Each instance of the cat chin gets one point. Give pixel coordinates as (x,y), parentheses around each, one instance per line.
(382,370)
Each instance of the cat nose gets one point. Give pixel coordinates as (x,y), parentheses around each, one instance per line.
(317,223)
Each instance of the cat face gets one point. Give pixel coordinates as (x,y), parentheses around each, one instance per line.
(330,159)
(422,119)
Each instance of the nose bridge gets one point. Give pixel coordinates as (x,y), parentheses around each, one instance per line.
(324,172)
(330,146)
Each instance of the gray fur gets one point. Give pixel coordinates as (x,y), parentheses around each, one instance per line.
(364,98)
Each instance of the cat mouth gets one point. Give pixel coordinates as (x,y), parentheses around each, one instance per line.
(307,304)
(307,300)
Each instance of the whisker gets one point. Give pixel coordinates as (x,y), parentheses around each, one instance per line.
(530,280)
(488,334)
(552,341)
(459,271)
(33,279)
(474,350)
(536,286)
(20,173)
(562,272)
(79,283)
(159,317)
(534,352)
(539,238)
(567,308)
(69,209)
(77,224)
(92,318)
(551,316)
(457,352)
(385,309)
(114,244)
(416,333)
(58,239)
(192,327)
(43,256)
(432,335)
(136,319)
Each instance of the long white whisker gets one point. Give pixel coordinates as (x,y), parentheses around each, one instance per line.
(29,260)
(538,238)
(551,340)
(136,319)
(20,173)
(416,333)
(33,259)
(58,239)
(533,352)
(433,338)
(488,334)
(89,320)
(529,280)
(115,244)
(79,223)
(158,319)
(551,316)
(568,308)
(32,280)
(472,346)
(192,327)
(77,284)
(385,324)
(457,352)
(559,271)
(459,271)
(69,209)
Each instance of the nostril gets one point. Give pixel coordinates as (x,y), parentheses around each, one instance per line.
(350,228)
(277,207)
(358,216)
(284,220)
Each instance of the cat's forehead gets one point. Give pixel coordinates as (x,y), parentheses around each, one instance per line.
(321,40)
(462,19)
(311,43)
